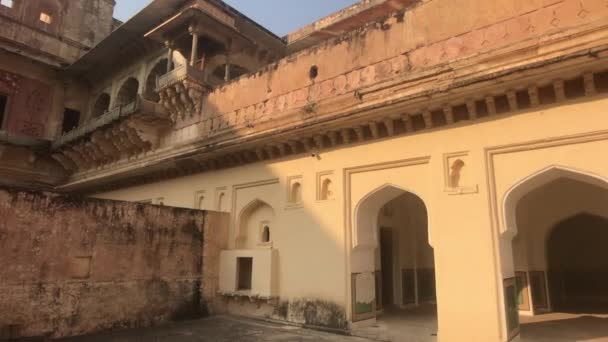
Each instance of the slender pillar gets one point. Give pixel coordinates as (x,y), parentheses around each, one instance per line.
(169,45)
(227,71)
(194,54)
(227,75)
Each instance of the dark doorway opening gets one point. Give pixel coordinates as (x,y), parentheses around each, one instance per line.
(578,264)
(71,119)
(386,261)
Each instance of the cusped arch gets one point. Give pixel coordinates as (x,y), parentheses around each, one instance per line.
(243,219)
(365,217)
(536,181)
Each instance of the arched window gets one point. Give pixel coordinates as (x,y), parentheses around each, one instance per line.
(326,190)
(128,92)
(296,193)
(201,202)
(158,70)
(102,105)
(265,233)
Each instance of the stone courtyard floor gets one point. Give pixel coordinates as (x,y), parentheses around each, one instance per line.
(218,329)
(396,327)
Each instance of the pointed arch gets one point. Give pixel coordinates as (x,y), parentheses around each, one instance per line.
(243,220)
(365,228)
(535,181)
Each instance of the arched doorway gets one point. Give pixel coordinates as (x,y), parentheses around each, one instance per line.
(393,265)
(557,234)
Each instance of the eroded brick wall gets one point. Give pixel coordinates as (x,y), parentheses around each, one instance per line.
(71,266)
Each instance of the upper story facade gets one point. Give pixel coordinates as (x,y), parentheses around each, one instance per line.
(193,85)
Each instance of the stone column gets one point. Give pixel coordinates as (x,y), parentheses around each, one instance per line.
(169,45)
(194,55)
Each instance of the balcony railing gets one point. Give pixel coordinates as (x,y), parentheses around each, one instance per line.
(137,106)
(181,73)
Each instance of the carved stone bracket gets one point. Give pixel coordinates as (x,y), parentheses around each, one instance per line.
(181,92)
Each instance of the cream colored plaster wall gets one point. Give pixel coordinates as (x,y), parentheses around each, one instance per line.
(464,229)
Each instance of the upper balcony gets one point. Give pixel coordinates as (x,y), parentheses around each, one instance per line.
(217,44)
(122,132)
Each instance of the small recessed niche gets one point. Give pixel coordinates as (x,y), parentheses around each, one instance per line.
(265,233)
(244,273)
(458,178)
(313,72)
(455,173)
(295,195)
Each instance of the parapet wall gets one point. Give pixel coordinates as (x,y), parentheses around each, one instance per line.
(73,266)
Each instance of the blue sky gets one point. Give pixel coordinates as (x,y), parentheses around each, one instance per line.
(279,16)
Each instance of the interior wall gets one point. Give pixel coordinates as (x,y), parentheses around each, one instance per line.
(406,216)
(542,209)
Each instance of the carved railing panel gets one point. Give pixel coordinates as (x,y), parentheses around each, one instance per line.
(181,91)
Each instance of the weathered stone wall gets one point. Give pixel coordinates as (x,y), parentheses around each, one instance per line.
(72,266)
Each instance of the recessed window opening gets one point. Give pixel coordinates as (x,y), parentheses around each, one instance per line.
(46,18)
(3,109)
(244,273)
(438,118)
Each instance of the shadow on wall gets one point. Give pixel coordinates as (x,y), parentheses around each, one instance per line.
(74,266)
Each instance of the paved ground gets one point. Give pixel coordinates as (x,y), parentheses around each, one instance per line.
(219,329)
(397,326)
(563,327)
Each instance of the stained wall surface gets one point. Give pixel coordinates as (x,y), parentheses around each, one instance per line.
(73,266)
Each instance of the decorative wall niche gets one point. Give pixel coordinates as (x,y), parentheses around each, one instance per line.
(265,233)
(457,174)
(199,200)
(294,192)
(221,199)
(255,226)
(325,186)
